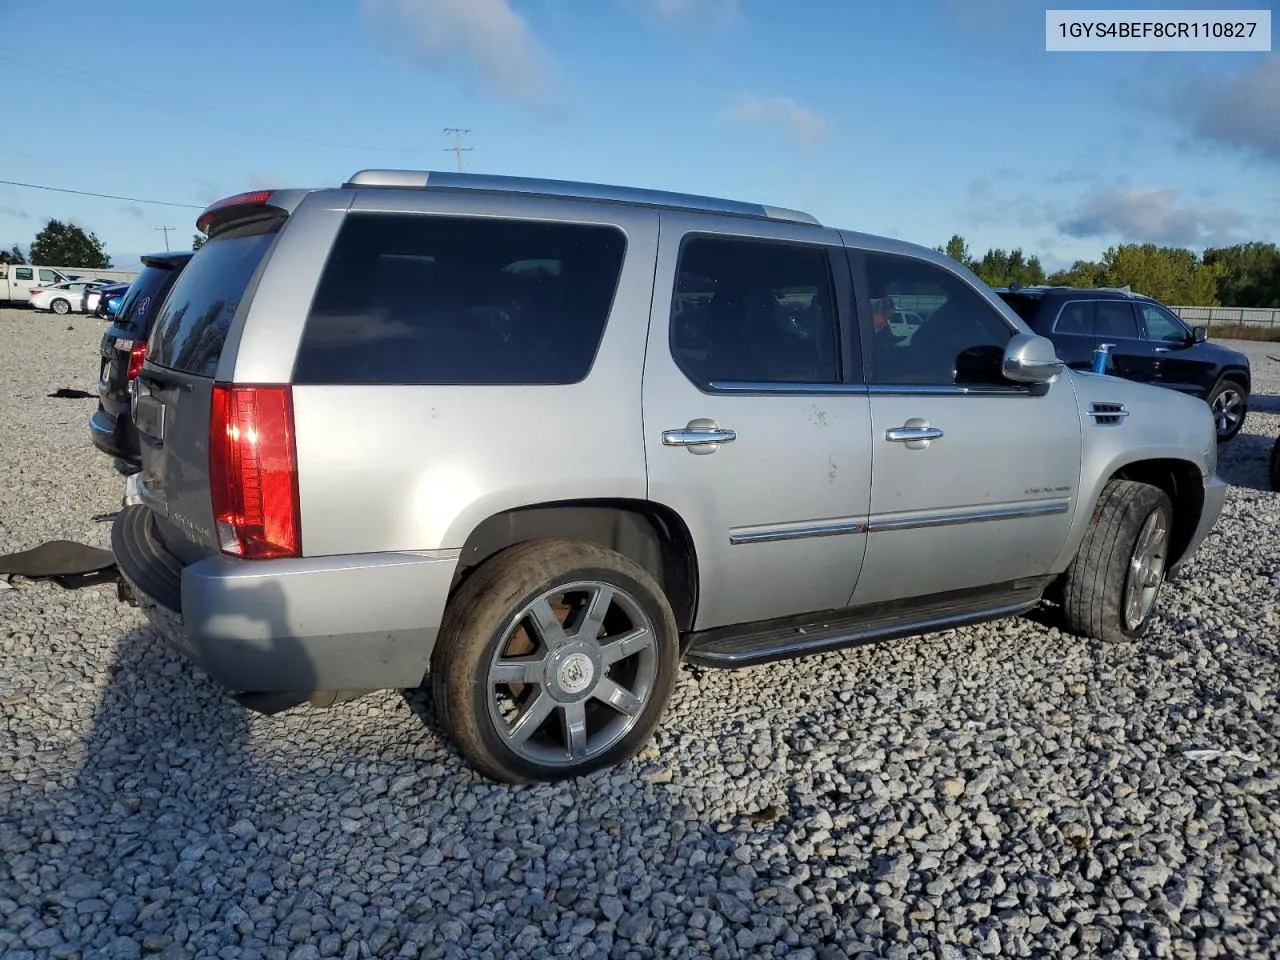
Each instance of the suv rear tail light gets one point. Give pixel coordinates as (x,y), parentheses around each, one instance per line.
(137,354)
(253,471)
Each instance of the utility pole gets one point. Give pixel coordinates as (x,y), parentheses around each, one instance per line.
(166,235)
(458,148)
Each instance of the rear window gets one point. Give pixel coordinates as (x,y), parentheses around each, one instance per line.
(1024,306)
(418,299)
(142,298)
(193,324)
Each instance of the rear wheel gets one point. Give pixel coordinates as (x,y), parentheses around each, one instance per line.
(1229,404)
(555,659)
(60,306)
(1111,588)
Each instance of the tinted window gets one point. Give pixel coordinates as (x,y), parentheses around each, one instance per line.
(1162,325)
(1116,321)
(23,273)
(754,311)
(142,298)
(1023,305)
(192,325)
(48,276)
(419,299)
(1077,317)
(960,337)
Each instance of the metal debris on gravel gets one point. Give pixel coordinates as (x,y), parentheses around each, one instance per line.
(1005,789)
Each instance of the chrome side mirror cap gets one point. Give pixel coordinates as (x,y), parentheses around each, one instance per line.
(1031,359)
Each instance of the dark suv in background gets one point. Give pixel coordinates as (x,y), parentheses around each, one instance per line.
(123,346)
(1149,343)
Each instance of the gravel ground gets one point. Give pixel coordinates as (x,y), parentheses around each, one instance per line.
(997,790)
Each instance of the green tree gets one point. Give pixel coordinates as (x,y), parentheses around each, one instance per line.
(66,245)
(999,268)
(197,241)
(12,255)
(1083,273)
(1172,275)
(1251,274)
(957,249)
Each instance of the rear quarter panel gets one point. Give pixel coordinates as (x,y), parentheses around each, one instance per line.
(408,468)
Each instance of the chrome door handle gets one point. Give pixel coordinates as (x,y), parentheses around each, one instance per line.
(907,434)
(701,433)
(1162,349)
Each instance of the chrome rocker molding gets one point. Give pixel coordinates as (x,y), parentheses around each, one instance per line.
(845,525)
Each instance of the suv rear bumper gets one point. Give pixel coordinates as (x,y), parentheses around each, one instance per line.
(1215,495)
(114,436)
(352,623)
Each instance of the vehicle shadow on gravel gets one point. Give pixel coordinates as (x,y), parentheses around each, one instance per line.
(105,857)
(1245,461)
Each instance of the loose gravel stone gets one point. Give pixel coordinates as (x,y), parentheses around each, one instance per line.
(998,790)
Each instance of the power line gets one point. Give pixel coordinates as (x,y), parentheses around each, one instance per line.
(103,196)
(457,148)
(163,107)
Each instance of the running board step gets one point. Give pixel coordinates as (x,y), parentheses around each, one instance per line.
(750,644)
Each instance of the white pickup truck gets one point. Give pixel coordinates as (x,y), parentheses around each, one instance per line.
(16,281)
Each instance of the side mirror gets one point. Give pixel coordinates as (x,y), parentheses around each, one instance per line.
(1031,359)
(1199,334)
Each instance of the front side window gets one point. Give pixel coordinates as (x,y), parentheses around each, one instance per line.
(1162,325)
(426,299)
(754,311)
(48,276)
(960,338)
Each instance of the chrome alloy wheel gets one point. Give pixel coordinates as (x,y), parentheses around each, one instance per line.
(1146,569)
(572,673)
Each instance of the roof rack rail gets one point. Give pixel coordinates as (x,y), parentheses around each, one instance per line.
(494,183)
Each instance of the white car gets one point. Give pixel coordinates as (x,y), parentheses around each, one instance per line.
(66,297)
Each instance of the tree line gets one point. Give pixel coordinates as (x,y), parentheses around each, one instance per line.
(1244,275)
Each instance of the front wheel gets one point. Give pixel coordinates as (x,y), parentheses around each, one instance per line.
(60,307)
(556,658)
(1110,589)
(1229,404)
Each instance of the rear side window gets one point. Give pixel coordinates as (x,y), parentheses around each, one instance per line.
(424,299)
(193,325)
(1076,318)
(142,299)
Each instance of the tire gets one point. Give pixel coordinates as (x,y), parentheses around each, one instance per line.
(1230,405)
(60,307)
(560,668)
(1275,465)
(1097,585)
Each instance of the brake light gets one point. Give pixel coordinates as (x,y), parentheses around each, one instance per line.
(253,471)
(254,198)
(137,354)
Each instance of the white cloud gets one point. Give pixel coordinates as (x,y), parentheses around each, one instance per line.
(1241,112)
(1150,215)
(782,114)
(486,38)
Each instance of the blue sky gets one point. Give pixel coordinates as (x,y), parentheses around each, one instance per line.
(916,119)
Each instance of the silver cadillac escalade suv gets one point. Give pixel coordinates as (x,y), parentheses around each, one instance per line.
(537,442)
